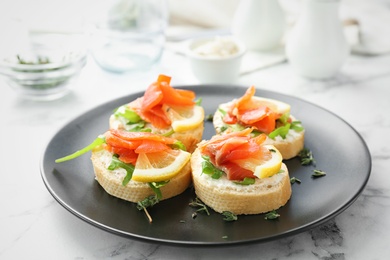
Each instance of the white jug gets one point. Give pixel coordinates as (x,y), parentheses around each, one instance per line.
(260,24)
(316,47)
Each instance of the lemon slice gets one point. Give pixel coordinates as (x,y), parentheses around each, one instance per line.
(271,166)
(159,166)
(277,106)
(184,119)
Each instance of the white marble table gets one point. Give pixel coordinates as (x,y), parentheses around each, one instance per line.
(34,226)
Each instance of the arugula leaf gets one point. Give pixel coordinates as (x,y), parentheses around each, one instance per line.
(126,112)
(223,112)
(169,133)
(178,145)
(282,131)
(246,181)
(284,118)
(116,163)
(210,169)
(155,186)
(98,141)
(296,126)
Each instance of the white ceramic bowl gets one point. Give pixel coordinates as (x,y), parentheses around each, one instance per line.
(216,68)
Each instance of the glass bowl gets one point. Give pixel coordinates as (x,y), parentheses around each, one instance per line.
(44,75)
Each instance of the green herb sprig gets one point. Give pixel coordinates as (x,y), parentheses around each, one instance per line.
(98,141)
(272,215)
(210,169)
(197,203)
(116,163)
(229,216)
(318,173)
(306,157)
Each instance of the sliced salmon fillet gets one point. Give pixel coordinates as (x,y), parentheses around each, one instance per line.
(249,113)
(236,153)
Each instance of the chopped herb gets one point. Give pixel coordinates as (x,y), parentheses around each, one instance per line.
(209,118)
(223,128)
(182,221)
(98,141)
(198,102)
(40,60)
(197,203)
(116,163)
(271,215)
(246,181)
(148,202)
(229,216)
(318,173)
(306,157)
(210,169)
(295,180)
(224,237)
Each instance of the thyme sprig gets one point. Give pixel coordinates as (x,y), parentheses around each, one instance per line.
(318,173)
(306,157)
(272,215)
(229,216)
(197,203)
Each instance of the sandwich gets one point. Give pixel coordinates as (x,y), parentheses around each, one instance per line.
(265,116)
(163,110)
(239,173)
(136,165)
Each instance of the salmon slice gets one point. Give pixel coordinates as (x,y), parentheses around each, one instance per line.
(128,145)
(149,107)
(249,113)
(236,153)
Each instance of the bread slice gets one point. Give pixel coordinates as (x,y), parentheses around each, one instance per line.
(224,195)
(189,138)
(134,191)
(288,147)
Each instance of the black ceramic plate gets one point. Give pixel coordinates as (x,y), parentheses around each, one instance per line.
(338,150)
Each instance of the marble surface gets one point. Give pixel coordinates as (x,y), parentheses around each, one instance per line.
(34,226)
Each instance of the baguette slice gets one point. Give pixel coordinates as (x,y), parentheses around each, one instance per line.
(189,138)
(288,147)
(224,195)
(134,191)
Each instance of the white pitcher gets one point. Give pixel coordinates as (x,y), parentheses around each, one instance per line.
(260,24)
(316,47)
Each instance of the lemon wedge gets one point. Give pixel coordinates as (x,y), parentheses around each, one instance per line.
(271,166)
(184,119)
(276,106)
(159,166)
